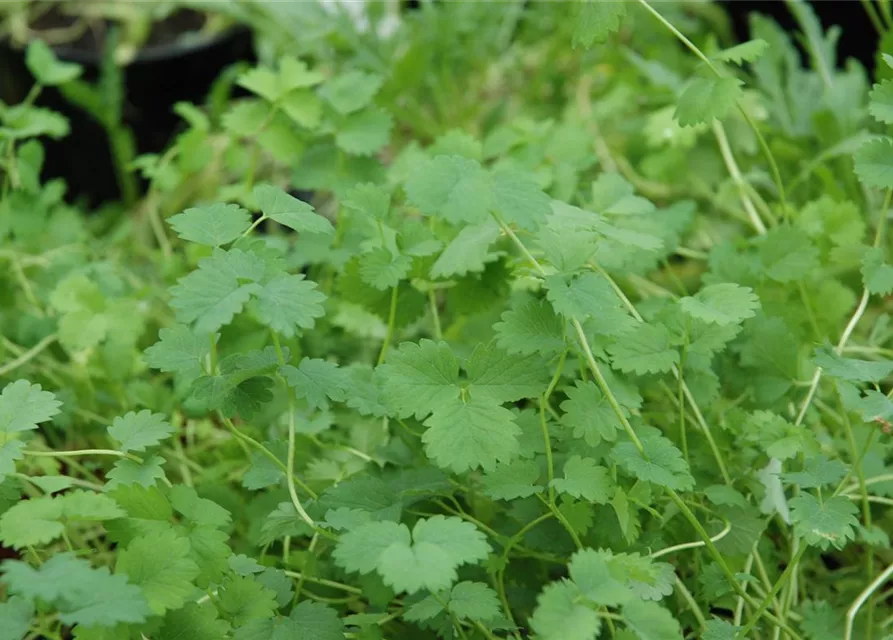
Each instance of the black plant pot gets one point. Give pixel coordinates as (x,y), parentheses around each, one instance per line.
(159,77)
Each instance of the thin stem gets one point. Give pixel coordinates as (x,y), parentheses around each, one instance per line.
(392,321)
(853,611)
(254,225)
(547,443)
(324,582)
(699,417)
(83,452)
(290,468)
(556,376)
(29,355)
(781,582)
(764,147)
(692,604)
(873,16)
(693,545)
(729,159)
(500,575)
(739,606)
(854,320)
(564,521)
(603,385)
(435,314)
(245,438)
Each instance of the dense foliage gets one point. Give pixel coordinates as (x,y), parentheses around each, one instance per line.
(584,335)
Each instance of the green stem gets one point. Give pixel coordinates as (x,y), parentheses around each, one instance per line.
(269,454)
(83,452)
(435,314)
(781,582)
(873,16)
(392,321)
(556,377)
(547,443)
(254,225)
(764,147)
(500,576)
(29,355)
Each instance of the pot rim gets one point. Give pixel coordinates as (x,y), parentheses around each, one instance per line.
(147,55)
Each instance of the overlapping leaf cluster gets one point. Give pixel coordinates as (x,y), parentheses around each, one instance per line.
(606,369)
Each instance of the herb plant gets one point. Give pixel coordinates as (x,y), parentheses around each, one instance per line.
(613,365)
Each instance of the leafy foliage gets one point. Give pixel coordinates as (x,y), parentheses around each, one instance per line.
(484,322)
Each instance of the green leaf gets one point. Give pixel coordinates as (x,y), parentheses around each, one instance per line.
(10,452)
(294,74)
(718,629)
(23,406)
(477,433)
(243,599)
(589,414)
(788,255)
(199,511)
(351,91)
(82,595)
(193,621)
(706,99)
(317,381)
(589,295)
(288,304)
(645,349)
(288,211)
(46,68)
(529,327)
(37,521)
(850,368)
(519,200)
(382,269)
(212,225)
(595,21)
(468,252)
(303,107)
(139,431)
(501,377)
(818,471)
(211,295)
(880,104)
(748,51)
(474,601)
(16,615)
(511,481)
(560,614)
(365,132)
(417,377)
(824,523)
(876,273)
(427,560)
(161,567)
(180,351)
(584,478)
(874,163)
(126,472)
(650,621)
(722,304)
(451,187)
(776,436)
(368,199)
(25,121)
(661,462)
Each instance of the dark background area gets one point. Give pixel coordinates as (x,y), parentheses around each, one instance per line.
(859,39)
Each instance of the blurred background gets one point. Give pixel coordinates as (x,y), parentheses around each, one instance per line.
(141,59)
